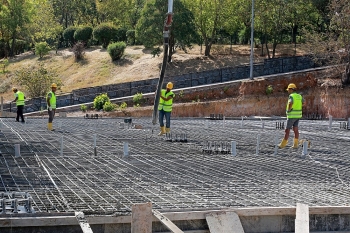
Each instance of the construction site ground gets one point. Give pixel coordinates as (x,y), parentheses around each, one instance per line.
(103,166)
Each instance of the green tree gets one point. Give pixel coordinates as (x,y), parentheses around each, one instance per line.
(37,79)
(68,35)
(14,15)
(149,29)
(43,26)
(42,48)
(332,46)
(210,16)
(105,33)
(83,34)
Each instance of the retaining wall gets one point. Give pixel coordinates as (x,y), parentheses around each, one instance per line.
(85,95)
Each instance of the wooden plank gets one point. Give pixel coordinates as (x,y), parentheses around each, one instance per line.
(85,226)
(302,218)
(166,222)
(224,222)
(141,218)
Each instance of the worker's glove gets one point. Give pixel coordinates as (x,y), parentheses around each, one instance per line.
(50,109)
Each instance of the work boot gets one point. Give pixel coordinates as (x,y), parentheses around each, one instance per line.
(167,130)
(283,143)
(295,143)
(49,127)
(162,131)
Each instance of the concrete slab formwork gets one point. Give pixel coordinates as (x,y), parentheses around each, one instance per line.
(104,166)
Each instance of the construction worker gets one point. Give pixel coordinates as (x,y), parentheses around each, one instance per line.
(294,113)
(19,100)
(51,105)
(165,107)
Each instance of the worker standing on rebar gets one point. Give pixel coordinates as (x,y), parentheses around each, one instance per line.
(165,107)
(294,113)
(19,100)
(51,105)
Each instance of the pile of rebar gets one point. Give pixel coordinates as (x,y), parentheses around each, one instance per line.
(103,166)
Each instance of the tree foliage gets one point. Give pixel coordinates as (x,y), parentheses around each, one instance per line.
(105,33)
(149,29)
(83,34)
(37,80)
(68,35)
(42,49)
(332,46)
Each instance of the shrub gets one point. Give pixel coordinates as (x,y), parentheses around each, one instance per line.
(138,99)
(123,105)
(100,100)
(116,50)
(105,33)
(42,48)
(4,63)
(121,34)
(269,90)
(83,34)
(78,50)
(37,79)
(130,37)
(109,106)
(83,108)
(68,35)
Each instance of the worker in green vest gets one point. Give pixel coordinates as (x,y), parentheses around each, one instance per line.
(165,107)
(294,113)
(19,100)
(51,105)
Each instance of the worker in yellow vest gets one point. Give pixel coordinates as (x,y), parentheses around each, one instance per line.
(19,100)
(165,107)
(294,113)
(51,105)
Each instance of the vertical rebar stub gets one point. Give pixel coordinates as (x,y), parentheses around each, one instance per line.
(233,148)
(17,150)
(126,149)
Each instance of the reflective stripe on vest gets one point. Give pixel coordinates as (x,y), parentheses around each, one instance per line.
(52,100)
(166,106)
(297,106)
(20,98)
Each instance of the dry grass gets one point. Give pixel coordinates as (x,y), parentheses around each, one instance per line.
(97,67)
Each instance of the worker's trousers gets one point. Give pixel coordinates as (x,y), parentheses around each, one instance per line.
(51,114)
(20,113)
(167,115)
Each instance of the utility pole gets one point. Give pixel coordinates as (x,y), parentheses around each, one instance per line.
(252,43)
(166,33)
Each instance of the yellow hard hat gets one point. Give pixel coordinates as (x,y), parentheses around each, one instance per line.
(14,88)
(291,86)
(170,85)
(54,85)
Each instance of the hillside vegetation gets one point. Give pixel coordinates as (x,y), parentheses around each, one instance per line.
(137,63)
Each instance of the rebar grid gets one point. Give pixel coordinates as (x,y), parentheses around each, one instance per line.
(172,175)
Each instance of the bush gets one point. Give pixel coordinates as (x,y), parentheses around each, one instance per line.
(83,108)
(138,99)
(4,63)
(100,101)
(116,50)
(78,50)
(121,34)
(123,105)
(68,35)
(37,79)
(109,106)
(42,48)
(130,37)
(83,34)
(105,33)
(269,90)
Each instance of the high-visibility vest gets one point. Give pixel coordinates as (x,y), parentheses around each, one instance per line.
(52,100)
(166,106)
(20,98)
(297,107)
